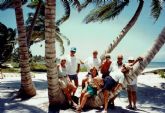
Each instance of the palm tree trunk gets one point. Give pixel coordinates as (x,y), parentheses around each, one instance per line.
(27,87)
(151,53)
(124,30)
(55,94)
(96,102)
(29,34)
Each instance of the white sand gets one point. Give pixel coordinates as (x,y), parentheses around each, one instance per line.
(150,96)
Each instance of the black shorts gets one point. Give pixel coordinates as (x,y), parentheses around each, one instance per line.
(109,83)
(73,77)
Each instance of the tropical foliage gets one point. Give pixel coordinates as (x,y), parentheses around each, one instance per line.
(7,42)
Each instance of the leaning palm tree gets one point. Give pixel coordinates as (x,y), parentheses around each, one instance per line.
(55,94)
(110,11)
(27,88)
(159,42)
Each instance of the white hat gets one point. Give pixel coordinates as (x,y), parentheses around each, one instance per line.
(130,58)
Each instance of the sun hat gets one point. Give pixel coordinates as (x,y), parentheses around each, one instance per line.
(73,49)
(107,56)
(130,58)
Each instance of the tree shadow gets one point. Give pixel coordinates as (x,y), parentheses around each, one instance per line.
(7,105)
(149,97)
(15,84)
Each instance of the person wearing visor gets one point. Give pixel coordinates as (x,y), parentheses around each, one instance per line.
(73,66)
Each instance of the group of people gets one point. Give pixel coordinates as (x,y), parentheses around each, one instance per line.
(105,76)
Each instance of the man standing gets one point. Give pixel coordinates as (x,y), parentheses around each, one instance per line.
(93,61)
(73,66)
(111,83)
(132,87)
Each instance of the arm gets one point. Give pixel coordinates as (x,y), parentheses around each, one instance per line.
(78,68)
(137,60)
(119,85)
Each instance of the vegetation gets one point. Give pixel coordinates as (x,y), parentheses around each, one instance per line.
(38,67)
(161,73)
(7,42)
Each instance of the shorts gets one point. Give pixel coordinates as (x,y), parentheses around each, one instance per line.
(63,82)
(109,83)
(132,87)
(73,77)
(92,91)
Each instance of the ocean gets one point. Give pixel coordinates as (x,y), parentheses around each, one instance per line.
(156,64)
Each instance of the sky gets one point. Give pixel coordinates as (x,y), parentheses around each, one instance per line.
(98,35)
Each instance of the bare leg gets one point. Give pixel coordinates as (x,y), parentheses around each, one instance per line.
(76,82)
(84,99)
(66,92)
(134,98)
(106,95)
(129,98)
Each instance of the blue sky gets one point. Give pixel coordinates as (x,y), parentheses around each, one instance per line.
(98,35)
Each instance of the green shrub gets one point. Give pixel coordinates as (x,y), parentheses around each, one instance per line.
(10,70)
(38,67)
(161,73)
(83,69)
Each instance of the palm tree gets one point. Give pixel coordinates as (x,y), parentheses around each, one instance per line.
(98,100)
(110,11)
(37,34)
(55,94)
(27,87)
(125,30)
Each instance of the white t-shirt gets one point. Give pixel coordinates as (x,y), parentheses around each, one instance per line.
(114,67)
(91,62)
(118,76)
(71,64)
(134,82)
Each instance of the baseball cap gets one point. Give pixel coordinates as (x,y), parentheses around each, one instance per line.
(73,49)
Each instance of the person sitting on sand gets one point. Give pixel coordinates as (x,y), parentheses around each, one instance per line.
(89,90)
(64,81)
(111,83)
(132,87)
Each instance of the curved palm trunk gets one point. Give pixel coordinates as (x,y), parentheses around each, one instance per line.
(27,87)
(96,102)
(29,34)
(151,53)
(55,94)
(124,30)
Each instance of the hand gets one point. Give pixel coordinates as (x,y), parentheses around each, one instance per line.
(140,59)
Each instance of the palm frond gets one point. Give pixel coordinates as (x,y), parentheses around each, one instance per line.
(33,3)
(111,14)
(108,11)
(59,39)
(83,5)
(75,3)
(5,4)
(97,13)
(156,8)
(67,13)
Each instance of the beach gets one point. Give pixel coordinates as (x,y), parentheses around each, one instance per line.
(151,93)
